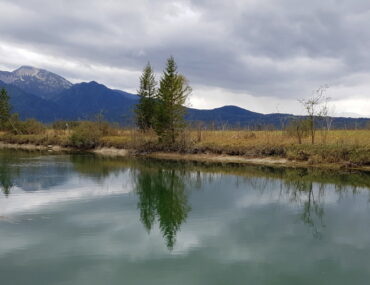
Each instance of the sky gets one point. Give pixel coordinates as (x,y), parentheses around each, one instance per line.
(262,55)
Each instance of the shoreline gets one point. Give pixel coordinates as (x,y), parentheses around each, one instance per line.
(31,147)
(260,161)
(202,157)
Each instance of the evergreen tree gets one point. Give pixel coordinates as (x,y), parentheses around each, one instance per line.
(170,111)
(4,108)
(147,92)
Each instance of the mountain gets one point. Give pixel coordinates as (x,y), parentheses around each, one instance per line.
(39,82)
(43,95)
(127,95)
(232,116)
(85,100)
(30,106)
(236,116)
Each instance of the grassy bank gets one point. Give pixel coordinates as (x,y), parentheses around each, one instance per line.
(348,148)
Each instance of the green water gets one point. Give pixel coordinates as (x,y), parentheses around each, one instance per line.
(81,219)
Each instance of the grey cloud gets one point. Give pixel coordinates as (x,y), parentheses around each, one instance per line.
(281,48)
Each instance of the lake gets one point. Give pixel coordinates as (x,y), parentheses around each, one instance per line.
(84,219)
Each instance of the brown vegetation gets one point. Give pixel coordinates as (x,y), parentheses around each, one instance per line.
(345,147)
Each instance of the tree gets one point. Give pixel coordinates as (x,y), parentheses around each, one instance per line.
(147,92)
(170,111)
(314,109)
(326,118)
(4,108)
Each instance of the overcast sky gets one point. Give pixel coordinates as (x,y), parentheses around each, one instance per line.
(258,54)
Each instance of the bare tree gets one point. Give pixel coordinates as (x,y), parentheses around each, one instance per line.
(314,108)
(326,115)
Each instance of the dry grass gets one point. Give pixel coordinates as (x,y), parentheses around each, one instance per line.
(253,138)
(337,146)
(211,139)
(347,147)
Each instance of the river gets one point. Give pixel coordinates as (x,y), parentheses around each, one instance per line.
(85,219)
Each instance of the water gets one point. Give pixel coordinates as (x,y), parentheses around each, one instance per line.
(80,219)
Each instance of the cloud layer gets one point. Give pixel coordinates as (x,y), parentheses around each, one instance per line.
(261,55)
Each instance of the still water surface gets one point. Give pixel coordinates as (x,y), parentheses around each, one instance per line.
(81,219)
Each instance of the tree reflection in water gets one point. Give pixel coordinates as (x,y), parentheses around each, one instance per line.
(161,186)
(8,172)
(6,180)
(308,187)
(301,191)
(162,197)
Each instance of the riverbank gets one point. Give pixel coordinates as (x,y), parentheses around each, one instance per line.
(268,160)
(347,149)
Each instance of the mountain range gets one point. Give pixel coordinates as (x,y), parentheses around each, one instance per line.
(46,96)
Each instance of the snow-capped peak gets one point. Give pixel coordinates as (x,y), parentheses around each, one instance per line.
(26,71)
(36,81)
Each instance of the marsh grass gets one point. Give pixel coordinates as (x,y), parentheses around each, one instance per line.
(336,146)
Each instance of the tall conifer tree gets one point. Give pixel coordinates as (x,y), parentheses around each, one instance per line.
(147,92)
(4,108)
(170,111)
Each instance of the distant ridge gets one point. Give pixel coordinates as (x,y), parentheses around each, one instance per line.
(46,96)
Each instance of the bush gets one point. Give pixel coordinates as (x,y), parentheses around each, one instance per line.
(86,135)
(298,128)
(105,128)
(28,127)
(11,124)
(31,127)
